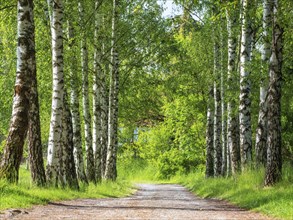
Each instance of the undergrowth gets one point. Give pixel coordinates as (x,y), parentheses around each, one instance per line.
(246,190)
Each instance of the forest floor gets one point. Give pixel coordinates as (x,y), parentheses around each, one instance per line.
(151,201)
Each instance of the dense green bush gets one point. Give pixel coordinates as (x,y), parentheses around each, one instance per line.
(174,145)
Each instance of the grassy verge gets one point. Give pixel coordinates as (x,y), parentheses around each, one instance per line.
(25,195)
(246,190)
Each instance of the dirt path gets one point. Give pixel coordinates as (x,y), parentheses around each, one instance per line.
(151,201)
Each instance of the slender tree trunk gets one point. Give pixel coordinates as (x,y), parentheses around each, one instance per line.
(13,150)
(90,169)
(210,138)
(217,114)
(97,97)
(274,143)
(104,121)
(111,172)
(232,136)
(116,108)
(55,141)
(69,172)
(261,131)
(223,110)
(74,101)
(245,84)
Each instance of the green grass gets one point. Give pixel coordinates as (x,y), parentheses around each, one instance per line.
(137,171)
(246,190)
(25,195)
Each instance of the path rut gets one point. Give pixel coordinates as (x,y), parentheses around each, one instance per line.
(151,201)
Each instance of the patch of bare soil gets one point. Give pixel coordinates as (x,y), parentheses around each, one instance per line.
(151,201)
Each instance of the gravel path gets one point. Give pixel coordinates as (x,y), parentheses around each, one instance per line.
(151,201)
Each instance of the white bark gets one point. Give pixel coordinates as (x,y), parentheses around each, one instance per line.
(210,138)
(261,131)
(232,142)
(245,84)
(223,111)
(24,69)
(58,90)
(97,97)
(86,104)
(111,172)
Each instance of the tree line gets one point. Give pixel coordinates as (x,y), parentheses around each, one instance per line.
(75,36)
(185,88)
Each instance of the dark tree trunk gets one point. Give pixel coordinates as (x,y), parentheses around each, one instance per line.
(274,142)
(69,169)
(34,134)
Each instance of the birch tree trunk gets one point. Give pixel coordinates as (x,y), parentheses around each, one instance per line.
(261,131)
(232,136)
(13,150)
(245,84)
(274,143)
(74,101)
(36,160)
(34,130)
(104,107)
(210,138)
(55,141)
(111,172)
(90,169)
(223,110)
(97,97)
(217,114)
(69,172)
(104,121)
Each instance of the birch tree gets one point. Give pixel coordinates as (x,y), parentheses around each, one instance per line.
(210,139)
(97,96)
(74,101)
(111,170)
(104,104)
(245,84)
(217,113)
(55,142)
(25,69)
(34,133)
(232,136)
(274,143)
(69,174)
(261,131)
(90,170)
(223,108)
(104,120)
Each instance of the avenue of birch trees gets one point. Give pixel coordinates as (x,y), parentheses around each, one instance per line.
(65,164)
(100,82)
